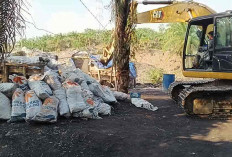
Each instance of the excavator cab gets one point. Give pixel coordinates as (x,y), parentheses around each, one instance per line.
(208,46)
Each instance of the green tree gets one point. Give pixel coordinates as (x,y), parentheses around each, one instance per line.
(173,37)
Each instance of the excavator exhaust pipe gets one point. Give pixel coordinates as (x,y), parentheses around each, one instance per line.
(146,2)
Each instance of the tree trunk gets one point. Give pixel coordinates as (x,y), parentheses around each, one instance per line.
(122,46)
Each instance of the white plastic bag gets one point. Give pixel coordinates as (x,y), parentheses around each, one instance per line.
(141,103)
(53,64)
(103,92)
(8,89)
(82,79)
(18,106)
(84,85)
(78,78)
(90,112)
(41,89)
(97,100)
(86,77)
(75,77)
(104,109)
(5,108)
(69,83)
(23,59)
(51,78)
(121,96)
(88,97)
(75,100)
(87,94)
(21,81)
(36,77)
(48,112)
(33,105)
(63,104)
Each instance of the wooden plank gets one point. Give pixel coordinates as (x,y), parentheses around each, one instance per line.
(24,69)
(16,64)
(34,71)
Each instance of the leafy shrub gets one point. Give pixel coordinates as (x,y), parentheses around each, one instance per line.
(155,75)
(60,42)
(169,38)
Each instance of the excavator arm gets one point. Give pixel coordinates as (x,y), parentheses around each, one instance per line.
(176,11)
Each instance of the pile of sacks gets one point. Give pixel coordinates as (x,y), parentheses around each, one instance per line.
(42,98)
(49,60)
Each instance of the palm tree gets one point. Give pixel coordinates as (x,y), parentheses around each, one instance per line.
(11,22)
(123,31)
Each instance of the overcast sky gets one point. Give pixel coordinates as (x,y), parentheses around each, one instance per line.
(62,16)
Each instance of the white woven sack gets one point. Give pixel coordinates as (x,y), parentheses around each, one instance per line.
(33,105)
(51,78)
(18,106)
(104,109)
(63,104)
(48,112)
(8,89)
(41,89)
(75,100)
(5,108)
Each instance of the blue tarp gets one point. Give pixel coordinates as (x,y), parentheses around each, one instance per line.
(133,73)
(99,65)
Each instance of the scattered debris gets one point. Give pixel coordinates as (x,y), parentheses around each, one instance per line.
(120,96)
(138,102)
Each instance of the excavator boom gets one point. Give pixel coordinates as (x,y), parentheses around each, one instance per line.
(177,11)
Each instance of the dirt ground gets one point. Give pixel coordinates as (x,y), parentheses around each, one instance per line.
(148,59)
(129,131)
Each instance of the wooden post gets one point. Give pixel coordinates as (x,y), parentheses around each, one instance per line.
(24,71)
(5,73)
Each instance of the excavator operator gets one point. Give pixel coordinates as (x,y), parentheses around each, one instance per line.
(203,57)
(210,42)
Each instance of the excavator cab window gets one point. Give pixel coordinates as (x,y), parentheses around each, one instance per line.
(198,48)
(224,32)
(222,59)
(193,44)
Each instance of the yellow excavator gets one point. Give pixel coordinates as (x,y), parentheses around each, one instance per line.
(207,53)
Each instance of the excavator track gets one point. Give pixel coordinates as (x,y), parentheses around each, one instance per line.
(176,87)
(212,102)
